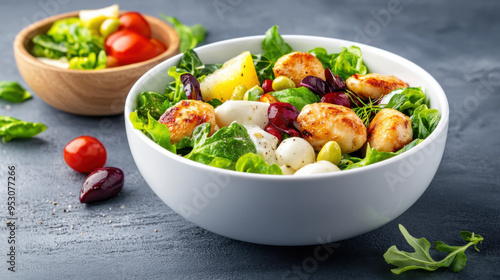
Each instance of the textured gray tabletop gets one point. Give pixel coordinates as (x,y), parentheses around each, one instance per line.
(136,236)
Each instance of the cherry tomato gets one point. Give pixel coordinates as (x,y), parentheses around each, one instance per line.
(160,47)
(84,154)
(129,47)
(135,22)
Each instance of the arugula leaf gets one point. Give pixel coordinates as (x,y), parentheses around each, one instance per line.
(156,131)
(298,97)
(424,121)
(228,142)
(264,67)
(421,258)
(252,163)
(190,36)
(13,92)
(407,100)
(11,128)
(175,90)
(274,46)
(373,156)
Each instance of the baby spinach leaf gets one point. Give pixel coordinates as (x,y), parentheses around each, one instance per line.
(424,121)
(298,97)
(273,45)
(407,100)
(421,258)
(252,163)
(322,55)
(11,128)
(190,36)
(156,131)
(13,92)
(228,142)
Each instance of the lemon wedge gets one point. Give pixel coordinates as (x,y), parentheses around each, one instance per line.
(237,71)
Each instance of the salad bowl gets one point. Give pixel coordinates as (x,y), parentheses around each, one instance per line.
(288,209)
(86,92)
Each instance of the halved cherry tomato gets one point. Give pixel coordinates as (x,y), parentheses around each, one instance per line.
(84,154)
(135,22)
(129,47)
(160,47)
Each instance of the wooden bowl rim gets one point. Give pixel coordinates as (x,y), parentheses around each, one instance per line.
(172,47)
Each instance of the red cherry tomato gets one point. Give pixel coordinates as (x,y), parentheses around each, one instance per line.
(129,47)
(135,22)
(84,154)
(160,47)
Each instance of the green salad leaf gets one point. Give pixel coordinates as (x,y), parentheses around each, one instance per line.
(228,142)
(175,90)
(190,36)
(273,45)
(156,131)
(407,100)
(252,163)
(424,121)
(345,64)
(13,92)
(263,67)
(71,39)
(11,128)
(421,258)
(152,102)
(298,97)
(373,156)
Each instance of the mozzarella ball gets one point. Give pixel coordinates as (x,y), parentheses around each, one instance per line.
(264,142)
(373,85)
(242,112)
(319,167)
(389,131)
(295,152)
(320,123)
(297,66)
(182,118)
(287,170)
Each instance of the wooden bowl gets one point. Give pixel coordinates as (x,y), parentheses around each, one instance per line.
(86,92)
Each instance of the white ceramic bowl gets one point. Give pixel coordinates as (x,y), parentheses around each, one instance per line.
(288,210)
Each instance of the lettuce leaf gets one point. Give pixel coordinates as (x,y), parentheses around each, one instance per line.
(373,156)
(407,100)
(228,142)
(345,64)
(424,121)
(298,97)
(156,131)
(273,45)
(150,102)
(252,163)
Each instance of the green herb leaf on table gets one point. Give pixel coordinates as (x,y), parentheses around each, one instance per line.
(156,131)
(13,92)
(273,45)
(230,142)
(190,36)
(252,163)
(298,97)
(11,128)
(421,258)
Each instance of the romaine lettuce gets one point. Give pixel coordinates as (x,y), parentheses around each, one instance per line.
(252,163)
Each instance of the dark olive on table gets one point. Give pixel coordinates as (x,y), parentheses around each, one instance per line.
(101,184)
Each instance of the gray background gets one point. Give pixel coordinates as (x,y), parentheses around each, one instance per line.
(456,41)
